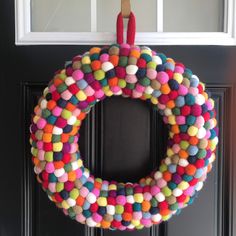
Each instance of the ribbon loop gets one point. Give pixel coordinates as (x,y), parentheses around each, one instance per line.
(131,29)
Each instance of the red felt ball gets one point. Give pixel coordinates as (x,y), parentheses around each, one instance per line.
(173,95)
(196,110)
(128,207)
(163,99)
(170,73)
(185,110)
(180,170)
(141,63)
(73,88)
(193,182)
(206,116)
(66,158)
(94,207)
(200,163)
(177,139)
(163,205)
(181,198)
(111,201)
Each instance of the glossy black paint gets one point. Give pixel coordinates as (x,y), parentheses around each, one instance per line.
(122,139)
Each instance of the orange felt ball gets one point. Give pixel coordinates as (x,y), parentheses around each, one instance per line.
(127,216)
(114,59)
(96,65)
(146,206)
(167,176)
(190,169)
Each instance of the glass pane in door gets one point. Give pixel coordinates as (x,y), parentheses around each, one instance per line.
(60,16)
(193,16)
(145,11)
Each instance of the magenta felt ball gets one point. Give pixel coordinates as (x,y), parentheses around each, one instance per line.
(162,77)
(196,110)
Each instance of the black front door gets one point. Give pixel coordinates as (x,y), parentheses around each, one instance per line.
(122,139)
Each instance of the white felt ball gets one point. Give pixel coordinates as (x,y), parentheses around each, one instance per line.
(157,175)
(130,226)
(90,222)
(177,192)
(106,66)
(131,69)
(156,218)
(199,99)
(59,172)
(91,198)
(71,202)
(149,90)
(201,133)
(74,165)
(110,210)
(183,162)
(56,130)
(160,197)
(69,81)
(130,199)
(157,60)
(43,104)
(71,120)
(199,186)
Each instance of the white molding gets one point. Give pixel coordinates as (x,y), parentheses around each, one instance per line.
(160,16)
(93,15)
(24,36)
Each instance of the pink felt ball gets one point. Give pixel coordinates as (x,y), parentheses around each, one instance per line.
(155,190)
(162,77)
(41,123)
(49,167)
(78,75)
(121,200)
(104,57)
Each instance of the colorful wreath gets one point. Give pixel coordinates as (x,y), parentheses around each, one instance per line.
(134,72)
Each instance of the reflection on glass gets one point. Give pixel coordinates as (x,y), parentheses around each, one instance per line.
(60,16)
(145,11)
(193,16)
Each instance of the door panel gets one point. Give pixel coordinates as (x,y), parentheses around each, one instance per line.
(122,139)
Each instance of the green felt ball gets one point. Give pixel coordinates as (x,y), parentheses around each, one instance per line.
(119,209)
(154,202)
(191,120)
(121,83)
(74,193)
(99,74)
(48,156)
(189,99)
(46,113)
(61,88)
(123,61)
(56,138)
(145,81)
(151,65)
(166,191)
(86,68)
(59,187)
(176,111)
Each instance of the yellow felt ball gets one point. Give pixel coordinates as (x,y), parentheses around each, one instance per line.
(80,163)
(102,201)
(183,185)
(65,205)
(59,186)
(112,187)
(165,218)
(35,119)
(146,51)
(135,222)
(170,152)
(192,131)
(171,120)
(57,147)
(178,77)
(138,197)
(154,100)
(81,96)
(86,60)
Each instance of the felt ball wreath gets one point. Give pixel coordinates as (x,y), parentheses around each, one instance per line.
(132,72)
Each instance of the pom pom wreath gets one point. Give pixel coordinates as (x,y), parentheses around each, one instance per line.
(129,71)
